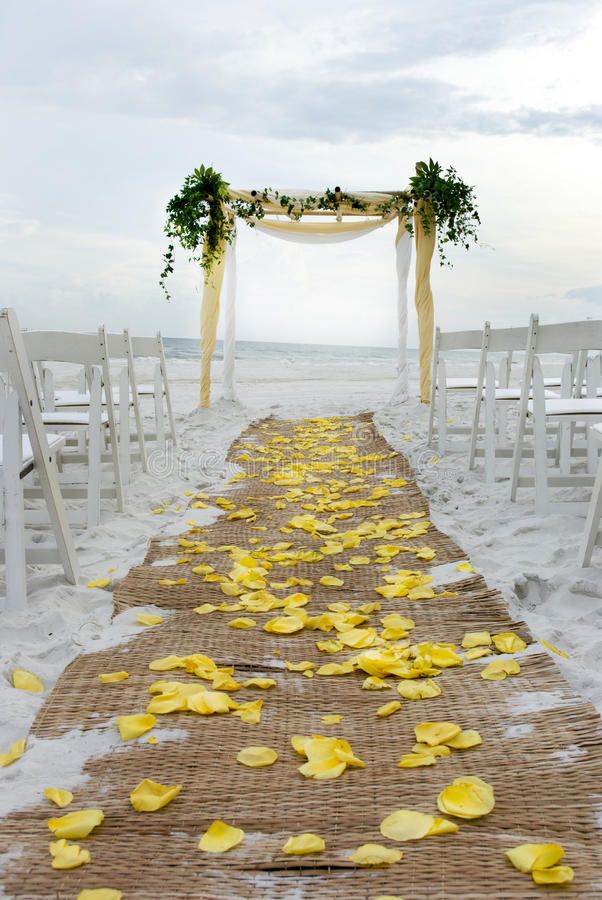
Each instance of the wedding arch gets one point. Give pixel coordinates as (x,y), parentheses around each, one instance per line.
(437,207)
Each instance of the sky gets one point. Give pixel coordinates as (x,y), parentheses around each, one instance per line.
(108,104)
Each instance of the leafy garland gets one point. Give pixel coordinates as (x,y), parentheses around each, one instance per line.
(201,216)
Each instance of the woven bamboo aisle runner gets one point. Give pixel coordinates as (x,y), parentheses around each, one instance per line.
(541,746)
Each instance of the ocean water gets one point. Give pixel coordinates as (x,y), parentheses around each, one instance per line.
(188,348)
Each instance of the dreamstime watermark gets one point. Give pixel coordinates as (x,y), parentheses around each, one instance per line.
(362,457)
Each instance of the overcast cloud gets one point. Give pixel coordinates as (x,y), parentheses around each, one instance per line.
(107,106)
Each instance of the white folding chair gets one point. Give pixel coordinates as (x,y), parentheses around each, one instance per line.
(442,384)
(158,390)
(564,412)
(591,533)
(94,427)
(23,455)
(496,396)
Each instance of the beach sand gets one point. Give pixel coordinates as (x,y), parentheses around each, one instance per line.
(531,559)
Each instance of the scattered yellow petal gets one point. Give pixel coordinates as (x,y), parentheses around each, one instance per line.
(220,837)
(113,677)
(242,622)
(148,619)
(467,797)
(508,642)
(27,681)
(465,567)
(172,582)
(433,733)
(464,740)
(262,683)
(99,583)
(554,649)
(476,639)
(99,894)
(443,826)
(131,727)
(375,855)
(303,844)
(205,608)
(331,719)
(152,740)
(527,857)
(16,752)
(418,690)
(331,581)
(150,796)
(388,709)
(67,856)
(498,669)
(249,713)
(477,653)
(406,825)
(76,825)
(415,760)
(257,757)
(59,797)
(553,875)
(302,666)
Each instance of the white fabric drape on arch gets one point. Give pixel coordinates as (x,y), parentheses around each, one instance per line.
(322,233)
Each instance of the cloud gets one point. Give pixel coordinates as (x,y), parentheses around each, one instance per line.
(593,293)
(339,71)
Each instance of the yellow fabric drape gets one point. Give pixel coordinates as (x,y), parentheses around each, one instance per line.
(287,226)
(423,300)
(209,315)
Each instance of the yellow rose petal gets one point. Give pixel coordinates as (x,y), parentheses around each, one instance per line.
(415,760)
(443,826)
(131,727)
(508,642)
(467,797)
(433,733)
(465,567)
(27,681)
(464,740)
(148,619)
(498,669)
(553,875)
(76,825)
(527,857)
(418,690)
(262,683)
(388,709)
(150,796)
(99,894)
(241,622)
(476,639)
(331,581)
(67,856)
(554,649)
(302,666)
(477,653)
(406,825)
(250,713)
(375,855)
(331,719)
(113,677)
(220,837)
(101,582)
(303,844)
(204,608)
(16,752)
(59,797)
(257,757)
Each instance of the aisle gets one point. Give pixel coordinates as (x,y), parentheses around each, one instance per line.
(316,530)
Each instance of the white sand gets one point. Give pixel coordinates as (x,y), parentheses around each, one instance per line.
(529,558)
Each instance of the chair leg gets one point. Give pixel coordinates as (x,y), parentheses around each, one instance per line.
(442,419)
(160,422)
(592,522)
(94,474)
(541,464)
(431,430)
(490,441)
(124,426)
(13,509)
